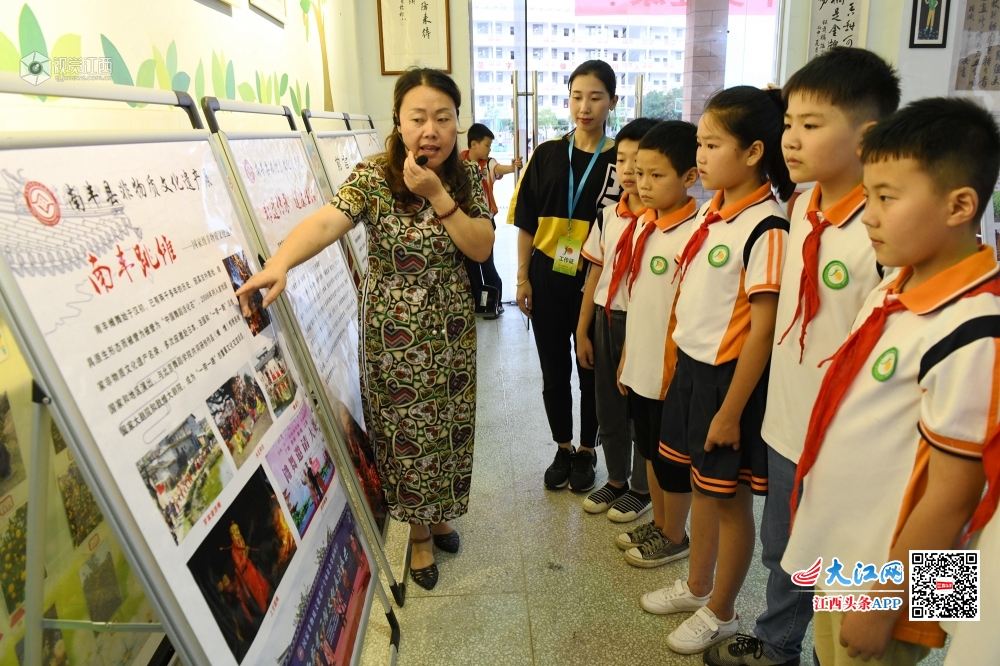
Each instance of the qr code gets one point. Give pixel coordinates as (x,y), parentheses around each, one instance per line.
(944,585)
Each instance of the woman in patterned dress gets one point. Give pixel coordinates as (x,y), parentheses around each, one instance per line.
(419,335)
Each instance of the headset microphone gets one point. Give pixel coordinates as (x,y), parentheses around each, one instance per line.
(421,160)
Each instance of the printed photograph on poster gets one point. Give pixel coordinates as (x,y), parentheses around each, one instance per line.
(184,473)
(13,549)
(302,465)
(363,456)
(329,623)
(240,563)
(239,272)
(240,413)
(100,584)
(273,374)
(929,24)
(58,443)
(82,511)
(11,463)
(54,651)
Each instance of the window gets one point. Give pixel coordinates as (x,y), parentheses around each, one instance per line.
(565,55)
(590,30)
(616,33)
(678,55)
(555,30)
(511,55)
(555,77)
(614,57)
(512,30)
(536,54)
(678,32)
(498,28)
(483,28)
(555,53)
(503,77)
(484,100)
(677,78)
(483,52)
(555,100)
(566,32)
(485,77)
(536,28)
(565,79)
(656,60)
(624,31)
(565,102)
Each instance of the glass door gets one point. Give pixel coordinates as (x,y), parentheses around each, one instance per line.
(545,40)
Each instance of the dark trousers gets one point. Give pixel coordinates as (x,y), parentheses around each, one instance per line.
(484,274)
(555,310)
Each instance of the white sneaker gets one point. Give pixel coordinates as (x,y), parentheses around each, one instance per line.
(701,631)
(674,599)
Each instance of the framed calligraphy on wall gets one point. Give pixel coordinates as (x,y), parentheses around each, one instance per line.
(414,32)
(836,23)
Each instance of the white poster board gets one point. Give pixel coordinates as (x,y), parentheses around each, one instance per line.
(836,23)
(281,190)
(126,258)
(340,154)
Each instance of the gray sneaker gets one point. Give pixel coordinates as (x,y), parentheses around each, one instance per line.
(657,551)
(636,537)
(743,650)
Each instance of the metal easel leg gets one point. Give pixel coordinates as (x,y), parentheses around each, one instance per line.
(390,615)
(34,582)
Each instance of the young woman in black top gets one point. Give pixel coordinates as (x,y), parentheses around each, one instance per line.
(566,184)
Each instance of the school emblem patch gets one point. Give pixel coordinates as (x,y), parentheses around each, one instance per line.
(659,265)
(835,275)
(718,255)
(885,365)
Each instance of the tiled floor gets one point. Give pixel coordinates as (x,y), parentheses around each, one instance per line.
(537,580)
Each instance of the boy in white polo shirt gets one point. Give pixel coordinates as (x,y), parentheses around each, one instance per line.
(830,269)
(893,457)
(603,311)
(665,168)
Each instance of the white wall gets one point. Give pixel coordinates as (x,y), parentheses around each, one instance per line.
(924,72)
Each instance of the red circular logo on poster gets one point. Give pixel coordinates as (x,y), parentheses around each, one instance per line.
(42,203)
(248,170)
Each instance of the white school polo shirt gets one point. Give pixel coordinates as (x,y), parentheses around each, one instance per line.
(650,354)
(742,255)
(603,238)
(933,379)
(979,642)
(848,272)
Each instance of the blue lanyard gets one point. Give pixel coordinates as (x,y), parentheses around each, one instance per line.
(574,200)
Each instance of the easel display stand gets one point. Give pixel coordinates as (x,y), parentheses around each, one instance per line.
(272,175)
(193,425)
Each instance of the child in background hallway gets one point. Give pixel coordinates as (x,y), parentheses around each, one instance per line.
(665,168)
(566,184)
(605,302)
(730,273)
(906,416)
(480,143)
(829,271)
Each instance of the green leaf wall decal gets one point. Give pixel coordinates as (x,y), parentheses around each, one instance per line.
(308,104)
(246,92)
(67,46)
(172,59)
(119,71)
(284,83)
(269,94)
(199,82)
(295,102)
(30,33)
(181,81)
(260,96)
(145,77)
(218,78)
(10,58)
(230,81)
(163,78)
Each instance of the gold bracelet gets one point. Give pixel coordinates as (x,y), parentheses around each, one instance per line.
(522,282)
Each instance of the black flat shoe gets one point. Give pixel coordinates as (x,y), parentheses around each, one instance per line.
(427,577)
(449,542)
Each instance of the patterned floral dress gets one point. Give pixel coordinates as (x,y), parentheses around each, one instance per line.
(418,348)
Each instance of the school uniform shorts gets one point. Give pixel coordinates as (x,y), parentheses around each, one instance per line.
(693,399)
